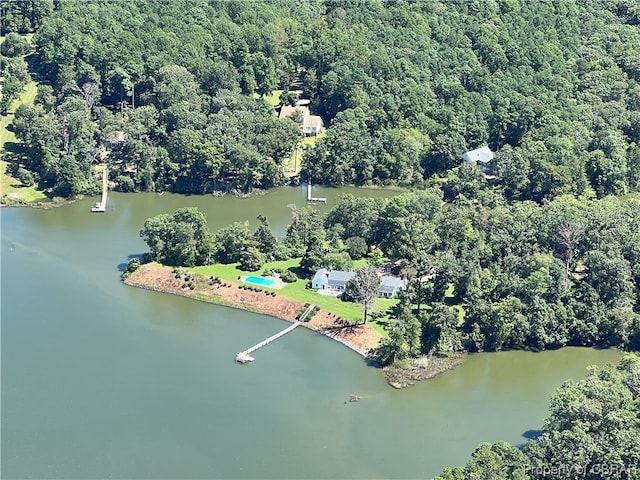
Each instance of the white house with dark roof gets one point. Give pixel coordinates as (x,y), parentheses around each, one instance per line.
(336,280)
(310,124)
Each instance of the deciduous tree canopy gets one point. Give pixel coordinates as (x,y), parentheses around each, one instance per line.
(404,87)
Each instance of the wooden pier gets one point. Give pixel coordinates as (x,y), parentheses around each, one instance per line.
(101,206)
(245,356)
(314,199)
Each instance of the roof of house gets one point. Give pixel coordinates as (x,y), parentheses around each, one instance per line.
(321,276)
(482,155)
(117,137)
(339,277)
(312,121)
(389,283)
(287,111)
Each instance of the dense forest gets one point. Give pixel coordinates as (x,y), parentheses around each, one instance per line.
(171,94)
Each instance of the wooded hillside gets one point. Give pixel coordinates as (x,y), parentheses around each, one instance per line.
(172,90)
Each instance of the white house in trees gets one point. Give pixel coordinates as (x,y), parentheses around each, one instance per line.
(327,279)
(482,156)
(310,124)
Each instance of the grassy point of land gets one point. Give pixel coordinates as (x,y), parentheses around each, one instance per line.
(196,284)
(297,291)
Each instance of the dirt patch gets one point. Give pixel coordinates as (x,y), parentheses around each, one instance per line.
(361,338)
(423,368)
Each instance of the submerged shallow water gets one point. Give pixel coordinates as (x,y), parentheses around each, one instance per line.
(103,380)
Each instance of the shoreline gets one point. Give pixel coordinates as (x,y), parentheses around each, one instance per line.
(422,368)
(45,204)
(357,337)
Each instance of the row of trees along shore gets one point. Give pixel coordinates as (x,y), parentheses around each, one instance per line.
(172,94)
(484,274)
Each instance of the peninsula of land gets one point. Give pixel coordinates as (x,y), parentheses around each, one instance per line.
(361,338)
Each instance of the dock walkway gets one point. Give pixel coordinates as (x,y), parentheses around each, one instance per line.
(245,356)
(101,206)
(314,199)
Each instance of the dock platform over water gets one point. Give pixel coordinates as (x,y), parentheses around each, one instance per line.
(245,356)
(101,206)
(314,199)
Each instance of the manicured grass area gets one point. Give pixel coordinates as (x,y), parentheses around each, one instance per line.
(9,184)
(297,291)
(291,165)
(273,99)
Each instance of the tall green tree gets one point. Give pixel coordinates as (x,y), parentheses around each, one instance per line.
(180,239)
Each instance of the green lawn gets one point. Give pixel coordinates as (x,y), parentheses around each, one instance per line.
(450,299)
(297,291)
(291,164)
(9,184)
(630,196)
(273,99)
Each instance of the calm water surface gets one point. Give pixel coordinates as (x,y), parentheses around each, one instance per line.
(100,380)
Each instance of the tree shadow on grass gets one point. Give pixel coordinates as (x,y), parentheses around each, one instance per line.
(123,266)
(341,325)
(300,273)
(15,150)
(384,324)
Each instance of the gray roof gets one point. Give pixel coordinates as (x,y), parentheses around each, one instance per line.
(482,155)
(389,284)
(338,277)
(321,276)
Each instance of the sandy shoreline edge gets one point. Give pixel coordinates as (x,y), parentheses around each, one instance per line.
(155,277)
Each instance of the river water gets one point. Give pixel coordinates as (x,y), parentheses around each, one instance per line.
(101,380)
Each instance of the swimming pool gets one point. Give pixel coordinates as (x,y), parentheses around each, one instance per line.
(264,281)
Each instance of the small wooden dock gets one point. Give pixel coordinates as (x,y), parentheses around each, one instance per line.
(101,206)
(245,356)
(314,199)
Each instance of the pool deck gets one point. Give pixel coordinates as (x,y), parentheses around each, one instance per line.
(278,284)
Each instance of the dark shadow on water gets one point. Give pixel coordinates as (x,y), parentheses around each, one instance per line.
(532,434)
(123,266)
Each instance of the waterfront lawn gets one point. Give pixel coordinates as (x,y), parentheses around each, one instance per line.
(297,291)
(292,163)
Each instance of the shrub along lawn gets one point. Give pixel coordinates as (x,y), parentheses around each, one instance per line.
(297,291)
